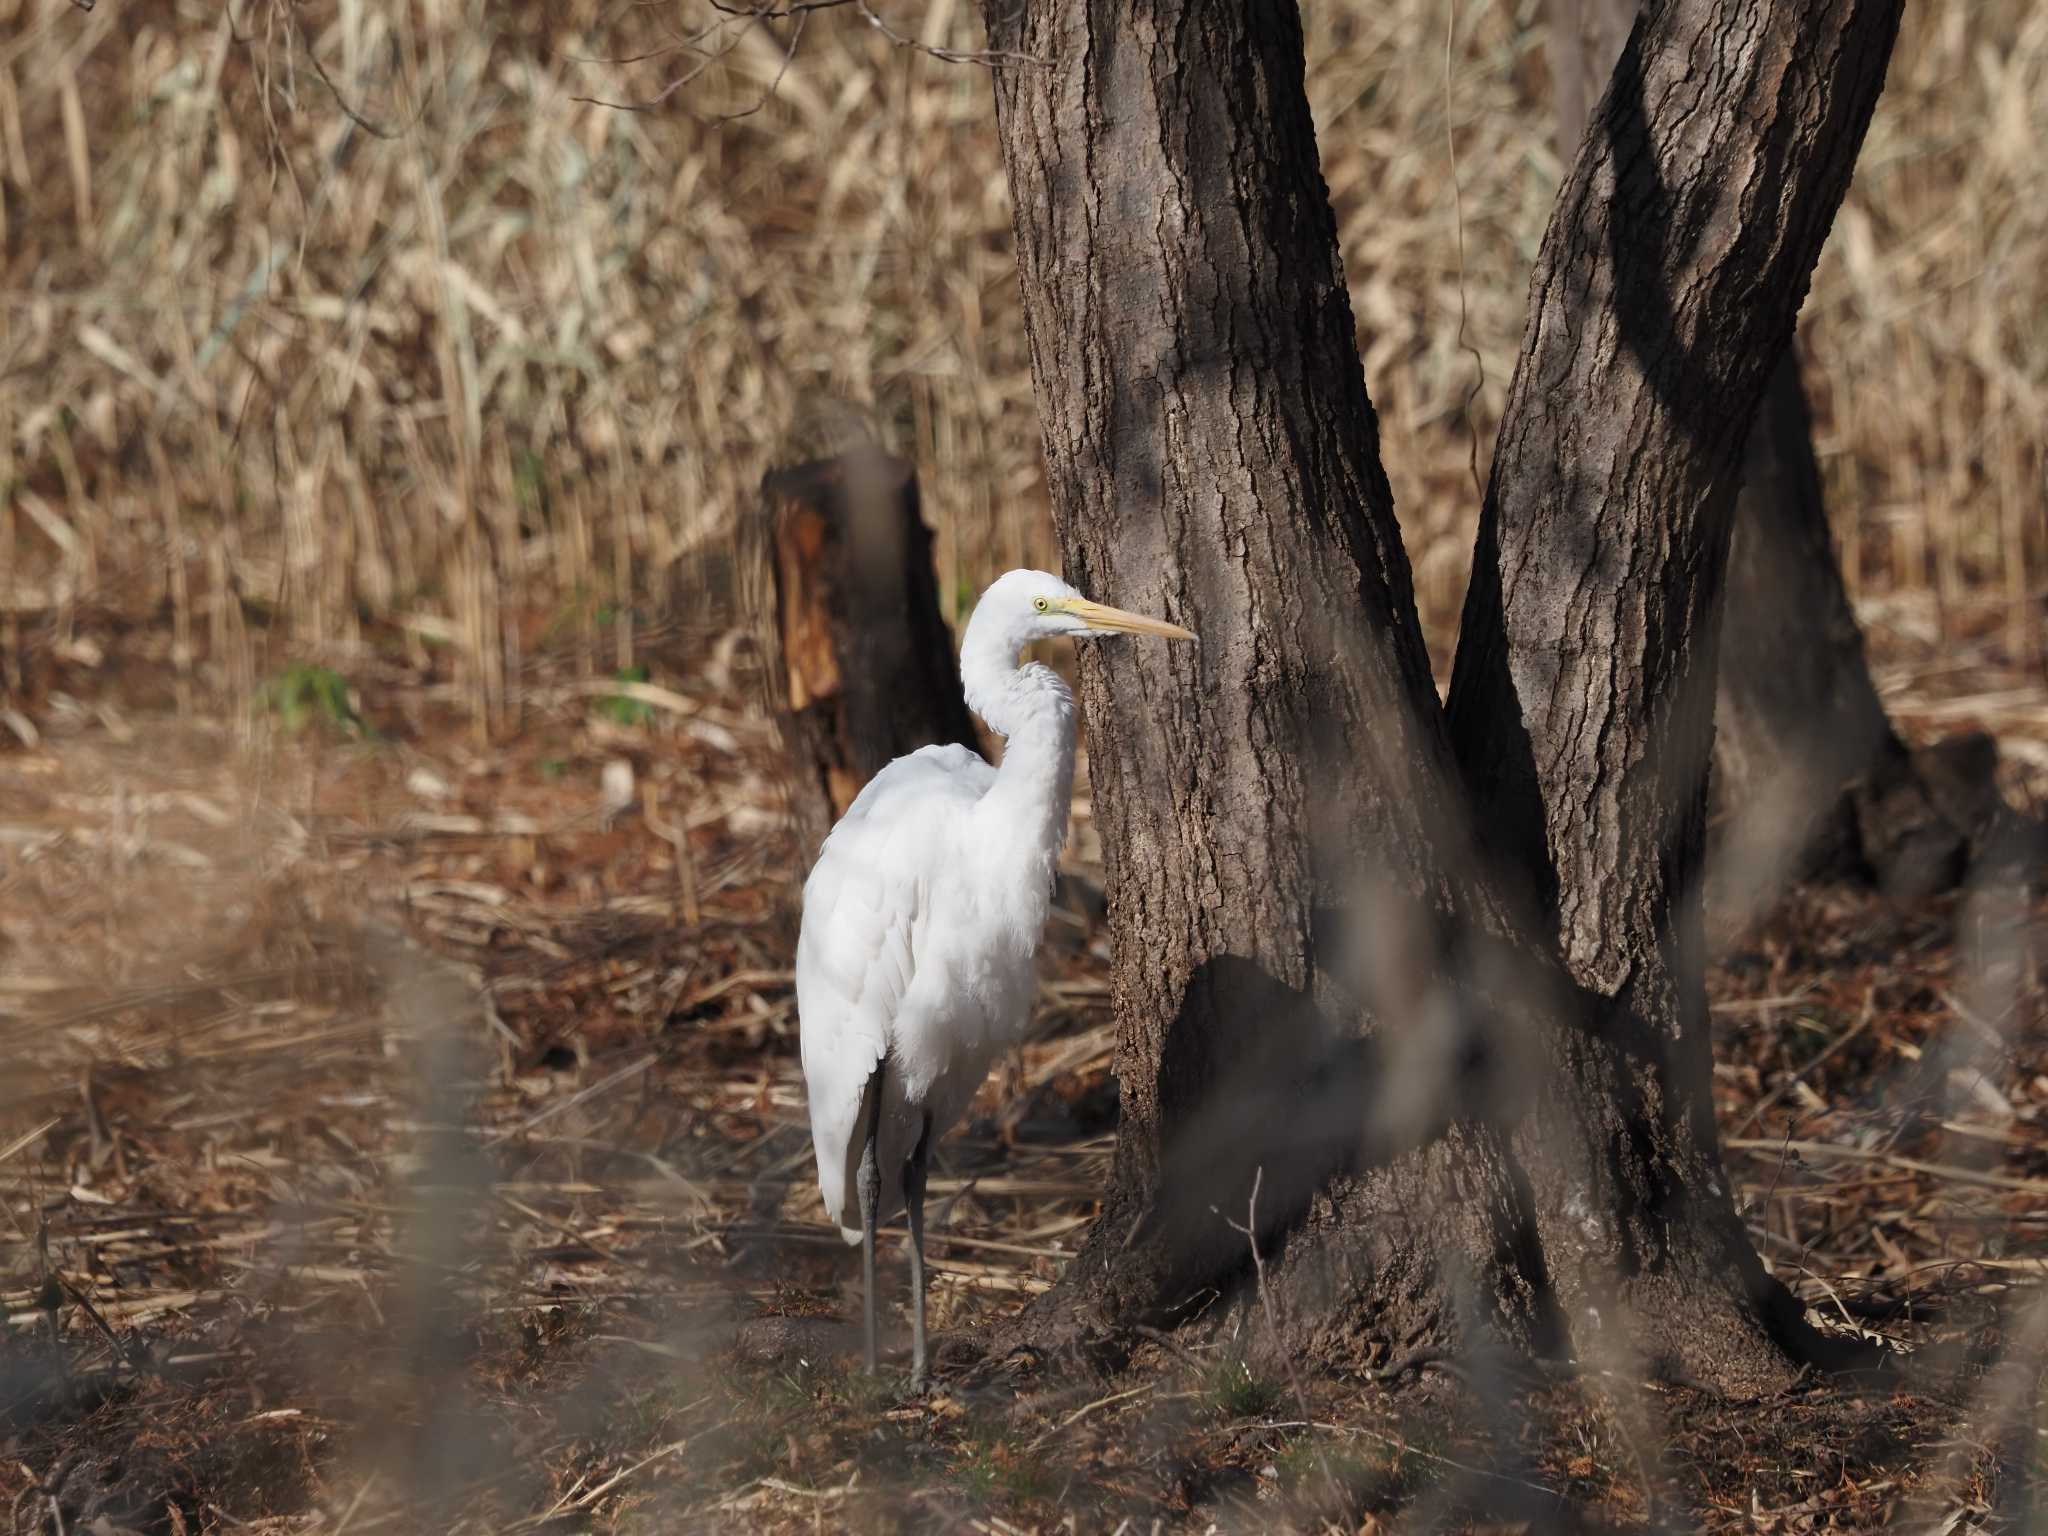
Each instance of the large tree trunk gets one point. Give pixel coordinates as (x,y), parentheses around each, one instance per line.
(1582,698)
(1810,778)
(1285,837)
(1212,456)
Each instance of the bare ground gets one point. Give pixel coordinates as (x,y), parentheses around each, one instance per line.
(402,1132)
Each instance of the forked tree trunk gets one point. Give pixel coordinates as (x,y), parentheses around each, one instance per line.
(1582,698)
(1810,779)
(1284,834)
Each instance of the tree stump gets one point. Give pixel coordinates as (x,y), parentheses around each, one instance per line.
(861,664)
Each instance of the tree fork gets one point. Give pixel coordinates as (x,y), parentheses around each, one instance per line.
(1282,821)
(1810,777)
(1582,697)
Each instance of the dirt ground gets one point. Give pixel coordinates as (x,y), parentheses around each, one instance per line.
(401,1131)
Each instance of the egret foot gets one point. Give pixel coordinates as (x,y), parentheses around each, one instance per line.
(913,1393)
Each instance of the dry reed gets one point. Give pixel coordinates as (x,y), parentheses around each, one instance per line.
(348,318)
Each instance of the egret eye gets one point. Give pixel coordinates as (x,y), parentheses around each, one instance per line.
(1042,605)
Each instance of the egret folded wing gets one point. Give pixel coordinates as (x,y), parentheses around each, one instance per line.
(866,907)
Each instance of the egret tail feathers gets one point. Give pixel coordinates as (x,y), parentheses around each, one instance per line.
(870,1119)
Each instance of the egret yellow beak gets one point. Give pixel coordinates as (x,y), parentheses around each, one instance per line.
(1100,616)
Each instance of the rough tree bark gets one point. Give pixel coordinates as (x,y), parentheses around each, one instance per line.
(1213,457)
(860,664)
(1582,697)
(1282,821)
(1810,778)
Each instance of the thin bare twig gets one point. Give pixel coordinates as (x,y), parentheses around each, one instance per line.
(1250,1229)
(734,15)
(1950,1171)
(796,34)
(341,101)
(989,58)
(795,8)
(602,1085)
(799,9)
(1458,205)
(1862,1023)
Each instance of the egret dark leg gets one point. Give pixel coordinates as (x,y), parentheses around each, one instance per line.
(869,1181)
(913,1188)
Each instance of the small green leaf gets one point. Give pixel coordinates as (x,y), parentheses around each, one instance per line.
(304,694)
(624,709)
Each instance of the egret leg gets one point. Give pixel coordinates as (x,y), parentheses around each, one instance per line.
(869,1182)
(913,1189)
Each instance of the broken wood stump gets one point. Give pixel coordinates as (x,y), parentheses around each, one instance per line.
(860,661)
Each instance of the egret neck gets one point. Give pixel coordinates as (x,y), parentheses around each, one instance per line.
(1033,711)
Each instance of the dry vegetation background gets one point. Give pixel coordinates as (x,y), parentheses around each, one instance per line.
(358,310)
(347,344)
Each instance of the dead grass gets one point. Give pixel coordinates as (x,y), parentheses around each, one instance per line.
(331,321)
(381,1150)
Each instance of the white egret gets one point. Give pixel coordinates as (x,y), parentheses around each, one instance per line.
(921,920)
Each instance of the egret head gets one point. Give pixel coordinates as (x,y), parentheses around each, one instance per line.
(1023,606)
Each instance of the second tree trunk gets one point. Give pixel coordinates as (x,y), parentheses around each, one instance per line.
(1810,778)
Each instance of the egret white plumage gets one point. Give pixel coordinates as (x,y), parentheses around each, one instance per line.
(921,921)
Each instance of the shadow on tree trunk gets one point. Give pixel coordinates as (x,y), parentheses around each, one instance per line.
(1811,780)
(1430,981)
(1285,1120)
